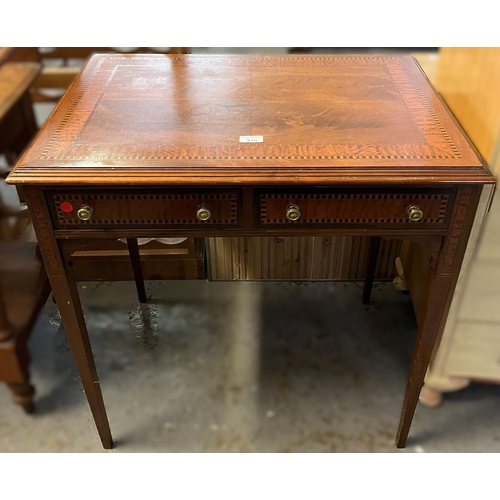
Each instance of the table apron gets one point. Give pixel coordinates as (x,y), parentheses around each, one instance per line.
(99,234)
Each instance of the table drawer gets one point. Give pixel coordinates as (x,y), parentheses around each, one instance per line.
(354,207)
(141,209)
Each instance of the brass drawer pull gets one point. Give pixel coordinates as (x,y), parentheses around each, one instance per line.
(292,212)
(85,212)
(414,213)
(203,213)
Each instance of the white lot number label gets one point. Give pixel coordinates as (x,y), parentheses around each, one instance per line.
(251,138)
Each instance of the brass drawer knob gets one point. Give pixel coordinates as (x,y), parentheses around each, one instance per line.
(203,213)
(292,212)
(414,213)
(85,212)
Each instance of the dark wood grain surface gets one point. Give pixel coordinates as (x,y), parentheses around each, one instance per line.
(178,119)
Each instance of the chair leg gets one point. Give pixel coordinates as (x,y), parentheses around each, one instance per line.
(135,260)
(371,264)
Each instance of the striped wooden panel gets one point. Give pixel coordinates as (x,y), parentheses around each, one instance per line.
(297,258)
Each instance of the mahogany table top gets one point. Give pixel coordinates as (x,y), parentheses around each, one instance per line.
(181,120)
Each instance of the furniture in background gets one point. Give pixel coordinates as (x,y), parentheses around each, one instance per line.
(18,54)
(468,80)
(24,286)
(299,258)
(197,154)
(24,289)
(17,120)
(110,261)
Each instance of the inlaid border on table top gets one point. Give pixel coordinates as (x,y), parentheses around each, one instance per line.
(87,97)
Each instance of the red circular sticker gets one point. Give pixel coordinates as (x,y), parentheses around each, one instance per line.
(66,207)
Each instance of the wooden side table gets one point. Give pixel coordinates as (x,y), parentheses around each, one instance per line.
(157,146)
